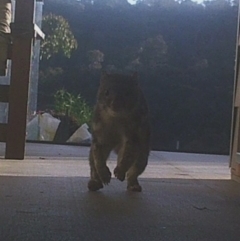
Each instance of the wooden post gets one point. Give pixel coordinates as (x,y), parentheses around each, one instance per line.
(23,34)
(235,130)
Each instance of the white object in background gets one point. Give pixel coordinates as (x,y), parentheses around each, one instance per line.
(42,127)
(48,127)
(33,129)
(81,135)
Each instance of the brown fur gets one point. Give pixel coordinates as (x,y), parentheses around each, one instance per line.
(120,123)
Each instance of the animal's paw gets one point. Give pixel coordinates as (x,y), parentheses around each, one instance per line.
(94,185)
(104,174)
(134,188)
(119,174)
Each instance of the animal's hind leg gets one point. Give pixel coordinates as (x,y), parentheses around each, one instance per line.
(132,180)
(132,175)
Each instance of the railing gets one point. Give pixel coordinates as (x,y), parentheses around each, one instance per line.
(23,33)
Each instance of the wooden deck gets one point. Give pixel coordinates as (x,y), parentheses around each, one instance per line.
(186,197)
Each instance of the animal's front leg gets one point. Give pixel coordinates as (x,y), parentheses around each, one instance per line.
(126,158)
(100,154)
(95,182)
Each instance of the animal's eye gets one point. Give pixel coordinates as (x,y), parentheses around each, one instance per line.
(106,93)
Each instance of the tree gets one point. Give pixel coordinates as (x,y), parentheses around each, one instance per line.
(59,37)
(162,3)
(153,52)
(95,58)
(183,50)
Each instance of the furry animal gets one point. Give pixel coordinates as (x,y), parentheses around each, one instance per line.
(120,123)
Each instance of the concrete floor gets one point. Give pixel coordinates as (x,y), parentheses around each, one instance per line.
(186,197)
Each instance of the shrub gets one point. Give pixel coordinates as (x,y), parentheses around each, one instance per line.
(75,106)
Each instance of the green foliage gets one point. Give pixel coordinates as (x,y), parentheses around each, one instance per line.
(76,106)
(50,79)
(50,75)
(184,53)
(59,37)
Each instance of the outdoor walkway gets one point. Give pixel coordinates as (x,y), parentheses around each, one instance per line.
(186,197)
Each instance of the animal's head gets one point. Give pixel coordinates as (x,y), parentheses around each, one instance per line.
(118,94)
